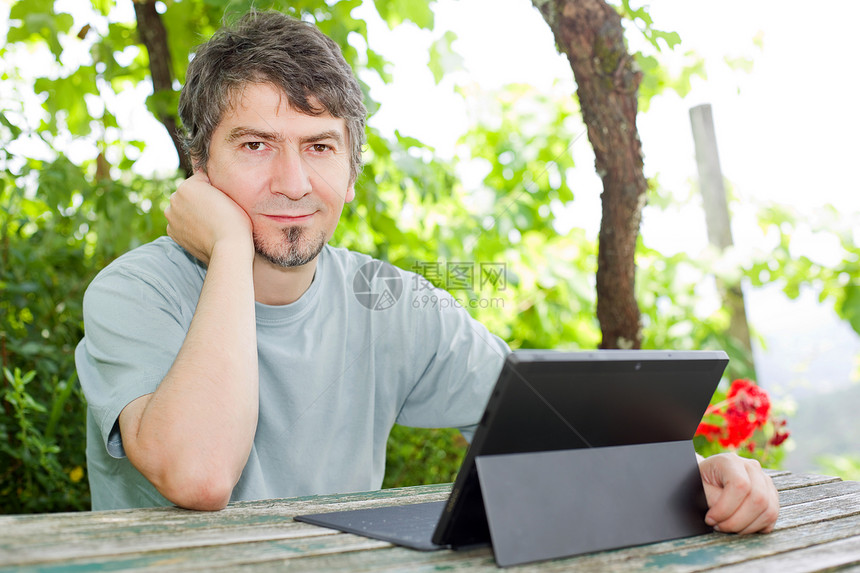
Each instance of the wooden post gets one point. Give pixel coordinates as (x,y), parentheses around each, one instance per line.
(719,226)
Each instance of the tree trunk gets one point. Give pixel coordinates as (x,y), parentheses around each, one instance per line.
(589,32)
(154,37)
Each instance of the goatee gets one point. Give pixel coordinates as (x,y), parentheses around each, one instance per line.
(296,248)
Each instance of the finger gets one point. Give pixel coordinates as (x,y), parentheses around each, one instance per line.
(759,509)
(747,520)
(731,485)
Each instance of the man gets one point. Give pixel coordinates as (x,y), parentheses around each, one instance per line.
(233,359)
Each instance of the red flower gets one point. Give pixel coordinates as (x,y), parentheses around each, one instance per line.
(780,436)
(745,410)
(710,431)
(744,396)
(739,427)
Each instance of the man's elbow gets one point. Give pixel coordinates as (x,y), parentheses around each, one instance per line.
(199,485)
(204,493)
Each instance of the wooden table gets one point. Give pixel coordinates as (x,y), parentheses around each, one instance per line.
(818,529)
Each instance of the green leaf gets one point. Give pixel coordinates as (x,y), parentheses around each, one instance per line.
(741,63)
(850,307)
(671,39)
(66,97)
(103,6)
(395,12)
(14,129)
(63,391)
(443,59)
(163,103)
(39,21)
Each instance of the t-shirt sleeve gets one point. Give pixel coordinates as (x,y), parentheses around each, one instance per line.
(134,326)
(462,361)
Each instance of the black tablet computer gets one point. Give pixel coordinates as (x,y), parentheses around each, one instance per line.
(552,400)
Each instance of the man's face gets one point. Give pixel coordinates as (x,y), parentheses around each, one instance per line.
(289,171)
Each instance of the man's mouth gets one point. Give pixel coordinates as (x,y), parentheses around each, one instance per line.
(292,218)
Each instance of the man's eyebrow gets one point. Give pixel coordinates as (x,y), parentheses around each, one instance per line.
(261,135)
(330,134)
(258,134)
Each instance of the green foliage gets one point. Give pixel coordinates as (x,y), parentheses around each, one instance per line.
(838,284)
(57,228)
(443,59)
(426,457)
(668,289)
(395,12)
(846,467)
(35,476)
(656,77)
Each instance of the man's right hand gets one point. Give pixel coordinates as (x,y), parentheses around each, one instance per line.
(200,216)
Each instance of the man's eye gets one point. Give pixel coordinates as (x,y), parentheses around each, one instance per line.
(320,147)
(254,145)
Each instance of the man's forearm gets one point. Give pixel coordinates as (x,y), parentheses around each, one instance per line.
(192,437)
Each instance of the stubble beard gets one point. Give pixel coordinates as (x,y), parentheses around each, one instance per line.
(294,249)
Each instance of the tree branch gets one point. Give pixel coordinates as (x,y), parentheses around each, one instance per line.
(153,36)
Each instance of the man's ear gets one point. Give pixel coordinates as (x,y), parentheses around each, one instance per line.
(197,165)
(350,192)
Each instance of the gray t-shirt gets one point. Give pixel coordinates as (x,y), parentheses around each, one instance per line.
(359,351)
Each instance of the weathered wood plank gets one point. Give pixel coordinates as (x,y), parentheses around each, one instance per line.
(111,519)
(831,519)
(348,551)
(812,493)
(388,560)
(72,547)
(819,510)
(785,482)
(824,557)
(223,557)
(48,538)
(718,551)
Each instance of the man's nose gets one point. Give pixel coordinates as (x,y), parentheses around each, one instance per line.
(291,175)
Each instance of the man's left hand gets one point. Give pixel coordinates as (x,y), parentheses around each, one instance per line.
(741,497)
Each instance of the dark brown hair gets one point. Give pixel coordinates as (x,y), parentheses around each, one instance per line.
(270,47)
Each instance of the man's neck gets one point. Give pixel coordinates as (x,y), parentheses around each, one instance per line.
(276,286)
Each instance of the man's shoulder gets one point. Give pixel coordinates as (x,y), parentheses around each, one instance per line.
(162,264)
(162,255)
(349,261)
(345,258)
